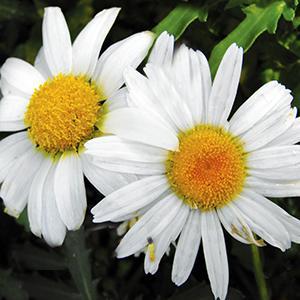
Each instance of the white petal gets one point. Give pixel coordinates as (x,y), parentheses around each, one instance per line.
(225,86)
(57,41)
(35,198)
(283,174)
(262,222)
(93,34)
(130,198)
(151,224)
(162,52)
(141,95)
(235,224)
(266,100)
(12,110)
(53,228)
(137,125)
(117,100)
(11,148)
(192,76)
(104,181)
(69,190)
(112,63)
(291,224)
(16,185)
(275,157)
(264,132)
(163,241)
(129,166)
(113,147)
(166,91)
(187,248)
(215,254)
(41,65)
(272,188)
(290,137)
(21,76)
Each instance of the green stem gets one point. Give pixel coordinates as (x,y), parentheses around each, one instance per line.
(77,257)
(259,274)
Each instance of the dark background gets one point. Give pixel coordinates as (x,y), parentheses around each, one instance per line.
(29,269)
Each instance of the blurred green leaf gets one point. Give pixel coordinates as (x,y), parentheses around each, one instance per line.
(257,21)
(41,288)
(16,10)
(203,292)
(179,19)
(10,287)
(23,220)
(36,258)
(77,257)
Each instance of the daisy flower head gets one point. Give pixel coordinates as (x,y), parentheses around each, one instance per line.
(200,168)
(58,105)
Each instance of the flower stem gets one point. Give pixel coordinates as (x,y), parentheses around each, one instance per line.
(77,257)
(259,274)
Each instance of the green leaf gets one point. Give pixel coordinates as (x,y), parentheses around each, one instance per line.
(77,257)
(257,21)
(179,19)
(16,10)
(11,288)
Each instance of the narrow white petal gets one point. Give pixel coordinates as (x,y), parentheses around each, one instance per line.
(112,63)
(187,248)
(53,228)
(267,130)
(162,52)
(282,175)
(291,224)
(69,190)
(192,79)
(137,125)
(21,75)
(117,100)
(215,254)
(274,157)
(104,181)
(164,240)
(290,137)
(93,34)
(235,224)
(16,185)
(12,110)
(263,223)
(57,41)
(266,100)
(151,224)
(274,188)
(130,198)
(171,101)
(129,166)
(113,147)
(225,86)
(141,95)
(35,198)
(41,65)
(11,148)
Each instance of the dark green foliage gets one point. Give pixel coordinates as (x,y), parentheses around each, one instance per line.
(85,267)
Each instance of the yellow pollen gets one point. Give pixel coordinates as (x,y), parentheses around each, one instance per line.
(209,168)
(62,113)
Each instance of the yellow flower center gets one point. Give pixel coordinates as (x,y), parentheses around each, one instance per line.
(209,168)
(62,113)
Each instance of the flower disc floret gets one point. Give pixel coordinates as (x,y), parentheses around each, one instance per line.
(62,113)
(209,168)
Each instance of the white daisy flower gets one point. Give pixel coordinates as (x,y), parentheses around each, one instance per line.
(201,168)
(59,101)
